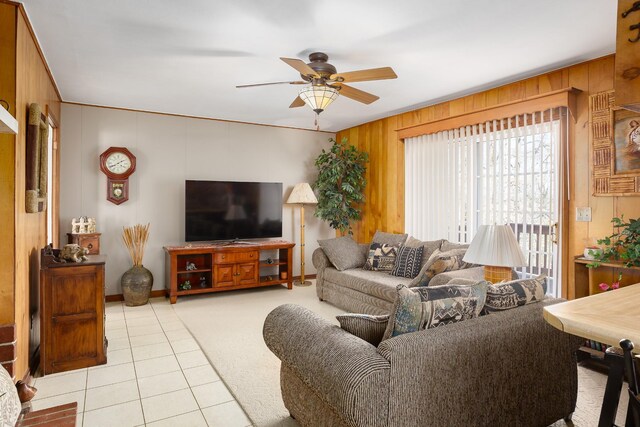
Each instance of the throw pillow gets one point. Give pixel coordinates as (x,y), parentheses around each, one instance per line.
(441,262)
(366,326)
(449,246)
(389,238)
(382,257)
(507,295)
(408,262)
(429,246)
(10,405)
(430,307)
(343,252)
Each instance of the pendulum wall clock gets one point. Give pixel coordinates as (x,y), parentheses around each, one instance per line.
(117,163)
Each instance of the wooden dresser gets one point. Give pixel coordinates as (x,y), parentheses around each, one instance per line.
(204,268)
(72,314)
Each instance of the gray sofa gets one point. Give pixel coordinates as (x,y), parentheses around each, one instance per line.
(502,369)
(373,292)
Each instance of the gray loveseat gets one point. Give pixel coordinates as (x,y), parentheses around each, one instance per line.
(503,369)
(373,292)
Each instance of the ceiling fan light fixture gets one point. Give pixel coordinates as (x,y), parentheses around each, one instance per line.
(318,97)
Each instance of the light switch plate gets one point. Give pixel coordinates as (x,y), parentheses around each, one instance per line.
(583,214)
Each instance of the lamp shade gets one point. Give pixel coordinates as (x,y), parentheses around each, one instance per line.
(302,194)
(495,245)
(318,97)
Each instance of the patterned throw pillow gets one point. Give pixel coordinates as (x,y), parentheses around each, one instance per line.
(366,326)
(10,406)
(429,307)
(507,295)
(408,262)
(441,262)
(382,257)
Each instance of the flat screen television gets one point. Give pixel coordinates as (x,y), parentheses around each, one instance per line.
(228,210)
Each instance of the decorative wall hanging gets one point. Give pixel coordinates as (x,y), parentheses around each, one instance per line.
(37,160)
(615,147)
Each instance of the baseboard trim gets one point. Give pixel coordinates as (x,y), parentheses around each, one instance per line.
(161,292)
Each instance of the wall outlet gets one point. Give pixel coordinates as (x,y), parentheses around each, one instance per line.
(583,214)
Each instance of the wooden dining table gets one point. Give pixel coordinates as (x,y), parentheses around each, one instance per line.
(607,317)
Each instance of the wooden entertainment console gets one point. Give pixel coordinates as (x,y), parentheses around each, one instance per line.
(204,268)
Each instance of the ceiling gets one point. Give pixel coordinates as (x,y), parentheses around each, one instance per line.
(186,57)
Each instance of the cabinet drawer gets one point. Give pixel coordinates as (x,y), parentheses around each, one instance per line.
(91,243)
(232,257)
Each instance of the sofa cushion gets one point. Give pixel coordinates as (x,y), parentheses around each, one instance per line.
(369,327)
(382,257)
(389,238)
(378,284)
(507,295)
(431,307)
(473,274)
(441,262)
(408,262)
(343,252)
(450,246)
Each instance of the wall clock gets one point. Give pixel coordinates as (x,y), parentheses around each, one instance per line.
(117,163)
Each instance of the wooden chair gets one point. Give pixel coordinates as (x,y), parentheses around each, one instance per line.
(631,371)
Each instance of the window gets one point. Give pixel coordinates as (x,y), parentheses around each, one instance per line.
(503,171)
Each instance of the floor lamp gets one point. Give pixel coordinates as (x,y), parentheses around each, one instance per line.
(302,194)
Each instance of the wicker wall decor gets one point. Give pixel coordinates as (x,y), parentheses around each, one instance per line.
(37,160)
(613,175)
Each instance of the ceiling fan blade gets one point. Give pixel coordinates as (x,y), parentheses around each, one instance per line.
(300,65)
(301,82)
(356,94)
(365,75)
(298,102)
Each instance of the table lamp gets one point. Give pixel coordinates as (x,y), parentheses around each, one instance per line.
(302,194)
(496,248)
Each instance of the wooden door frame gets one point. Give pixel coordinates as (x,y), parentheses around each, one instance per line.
(55,179)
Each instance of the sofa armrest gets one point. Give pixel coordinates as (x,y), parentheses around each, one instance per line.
(320,259)
(345,371)
(509,368)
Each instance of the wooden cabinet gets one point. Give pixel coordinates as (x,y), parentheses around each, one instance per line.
(72,314)
(193,269)
(588,279)
(90,241)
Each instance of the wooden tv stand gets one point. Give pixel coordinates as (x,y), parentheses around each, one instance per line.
(226,266)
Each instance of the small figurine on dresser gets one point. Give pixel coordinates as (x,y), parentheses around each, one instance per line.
(73,253)
(83,225)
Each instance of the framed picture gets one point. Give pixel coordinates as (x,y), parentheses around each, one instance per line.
(626,140)
(615,145)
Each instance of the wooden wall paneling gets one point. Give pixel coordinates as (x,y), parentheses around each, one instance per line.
(33,84)
(579,188)
(7,164)
(627,82)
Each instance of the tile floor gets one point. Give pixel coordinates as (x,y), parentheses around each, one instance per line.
(156,375)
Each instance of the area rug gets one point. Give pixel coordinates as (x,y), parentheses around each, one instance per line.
(228,327)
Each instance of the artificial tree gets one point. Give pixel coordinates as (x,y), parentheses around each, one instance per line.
(340,184)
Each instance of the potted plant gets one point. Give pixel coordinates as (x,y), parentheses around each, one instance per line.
(340,184)
(137,281)
(623,245)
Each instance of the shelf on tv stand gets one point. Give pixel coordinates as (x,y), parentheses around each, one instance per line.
(225,267)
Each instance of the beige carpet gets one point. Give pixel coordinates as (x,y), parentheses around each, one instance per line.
(228,327)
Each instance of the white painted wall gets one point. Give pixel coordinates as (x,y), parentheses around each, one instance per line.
(170,150)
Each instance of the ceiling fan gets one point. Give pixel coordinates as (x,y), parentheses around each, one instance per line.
(325,83)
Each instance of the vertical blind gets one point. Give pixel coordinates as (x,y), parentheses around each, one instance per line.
(504,171)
